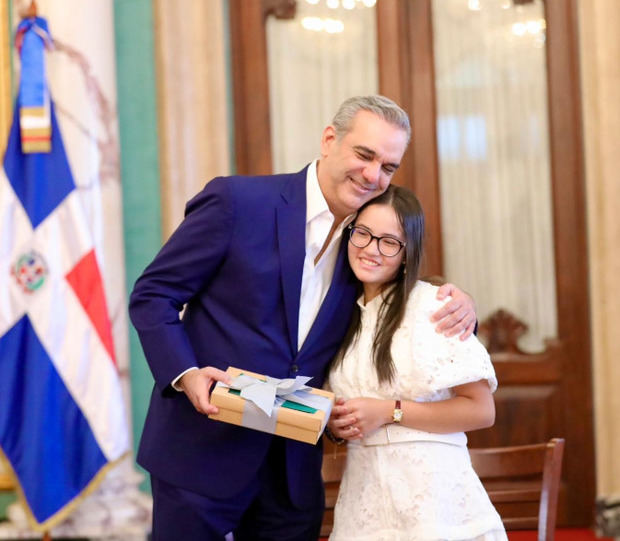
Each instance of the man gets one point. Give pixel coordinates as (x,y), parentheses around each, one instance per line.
(260,266)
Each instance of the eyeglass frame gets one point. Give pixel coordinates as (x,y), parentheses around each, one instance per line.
(352,227)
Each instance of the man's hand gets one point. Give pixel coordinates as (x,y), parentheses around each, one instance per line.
(458,315)
(196,384)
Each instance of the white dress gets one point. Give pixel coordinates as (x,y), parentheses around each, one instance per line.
(402,484)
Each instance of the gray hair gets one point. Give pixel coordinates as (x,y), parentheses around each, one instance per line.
(381,106)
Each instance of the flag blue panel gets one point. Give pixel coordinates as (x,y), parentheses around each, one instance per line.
(41,181)
(43,432)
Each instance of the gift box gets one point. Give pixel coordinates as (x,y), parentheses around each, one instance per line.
(284,407)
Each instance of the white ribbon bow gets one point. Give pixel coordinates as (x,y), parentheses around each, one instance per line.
(264,393)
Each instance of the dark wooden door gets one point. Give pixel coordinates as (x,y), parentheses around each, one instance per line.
(543,395)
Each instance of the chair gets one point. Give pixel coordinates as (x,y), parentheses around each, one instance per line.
(523,483)
(333,467)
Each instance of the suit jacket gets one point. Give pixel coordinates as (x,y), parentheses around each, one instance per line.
(236,262)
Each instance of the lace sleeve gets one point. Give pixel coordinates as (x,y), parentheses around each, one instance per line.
(459,362)
(447,362)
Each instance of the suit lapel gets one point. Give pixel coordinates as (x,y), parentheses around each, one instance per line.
(337,288)
(291,230)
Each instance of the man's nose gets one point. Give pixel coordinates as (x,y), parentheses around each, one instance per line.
(372,172)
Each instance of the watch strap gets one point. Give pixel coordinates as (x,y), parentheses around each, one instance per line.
(397,415)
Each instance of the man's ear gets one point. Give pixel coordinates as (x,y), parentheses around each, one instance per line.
(327,139)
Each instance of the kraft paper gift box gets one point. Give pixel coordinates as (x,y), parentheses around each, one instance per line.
(285,407)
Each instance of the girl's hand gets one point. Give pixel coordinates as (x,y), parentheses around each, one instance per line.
(369,414)
(341,423)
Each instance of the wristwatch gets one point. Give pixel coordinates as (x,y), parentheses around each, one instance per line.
(397,414)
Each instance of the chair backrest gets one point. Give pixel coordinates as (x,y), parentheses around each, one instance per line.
(523,483)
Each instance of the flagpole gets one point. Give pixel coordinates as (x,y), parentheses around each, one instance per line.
(5,75)
(6,481)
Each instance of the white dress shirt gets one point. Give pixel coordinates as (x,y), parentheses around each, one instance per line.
(316,279)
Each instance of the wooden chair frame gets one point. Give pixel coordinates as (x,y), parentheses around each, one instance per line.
(523,483)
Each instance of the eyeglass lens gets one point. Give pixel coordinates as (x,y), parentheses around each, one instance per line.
(388,246)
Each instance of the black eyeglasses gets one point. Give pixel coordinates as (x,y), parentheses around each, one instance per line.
(360,237)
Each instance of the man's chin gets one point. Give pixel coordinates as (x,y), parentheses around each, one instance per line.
(360,200)
(352,202)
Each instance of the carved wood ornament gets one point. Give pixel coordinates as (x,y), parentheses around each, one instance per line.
(280,9)
(502,331)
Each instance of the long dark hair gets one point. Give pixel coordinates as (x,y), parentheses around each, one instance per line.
(392,310)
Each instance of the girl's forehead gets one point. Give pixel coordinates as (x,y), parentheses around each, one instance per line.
(379,212)
(381,219)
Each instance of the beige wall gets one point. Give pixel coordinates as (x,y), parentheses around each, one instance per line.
(600,73)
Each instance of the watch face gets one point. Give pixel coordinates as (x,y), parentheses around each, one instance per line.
(397,416)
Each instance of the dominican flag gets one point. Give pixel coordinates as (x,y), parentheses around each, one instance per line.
(62,417)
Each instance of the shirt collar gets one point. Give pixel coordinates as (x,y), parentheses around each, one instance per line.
(316,203)
(375,303)
(315,200)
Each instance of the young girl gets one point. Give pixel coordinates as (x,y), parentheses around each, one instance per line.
(407,395)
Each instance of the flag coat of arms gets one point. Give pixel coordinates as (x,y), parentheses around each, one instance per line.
(62,416)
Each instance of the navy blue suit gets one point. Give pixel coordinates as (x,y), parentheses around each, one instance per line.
(236,261)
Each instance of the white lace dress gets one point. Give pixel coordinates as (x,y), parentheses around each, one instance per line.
(402,484)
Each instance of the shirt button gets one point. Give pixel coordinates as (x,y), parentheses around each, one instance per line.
(294,369)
